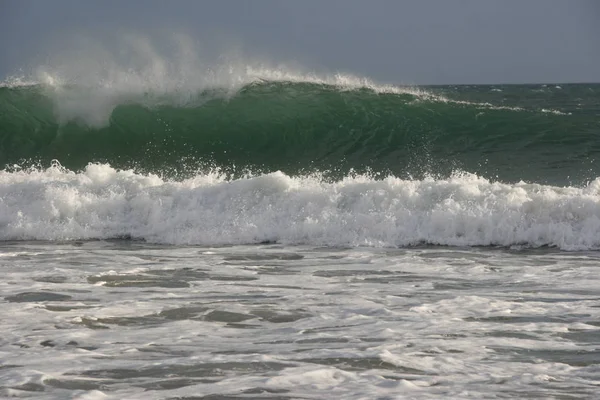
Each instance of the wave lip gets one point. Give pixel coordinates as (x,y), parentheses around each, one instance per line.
(91,101)
(465,210)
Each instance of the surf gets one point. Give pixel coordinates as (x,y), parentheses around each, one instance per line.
(101,202)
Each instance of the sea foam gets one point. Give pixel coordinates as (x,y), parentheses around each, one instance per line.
(101,202)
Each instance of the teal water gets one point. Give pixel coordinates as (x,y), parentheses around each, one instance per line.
(537,133)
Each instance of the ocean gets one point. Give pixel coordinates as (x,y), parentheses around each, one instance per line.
(273,235)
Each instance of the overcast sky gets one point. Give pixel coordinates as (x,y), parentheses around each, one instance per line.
(396,41)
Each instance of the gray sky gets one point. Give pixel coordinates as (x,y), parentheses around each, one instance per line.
(398,41)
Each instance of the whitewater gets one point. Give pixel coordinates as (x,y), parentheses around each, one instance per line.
(176,229)
(464,210)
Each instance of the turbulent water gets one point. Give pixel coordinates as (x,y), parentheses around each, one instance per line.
(282,236)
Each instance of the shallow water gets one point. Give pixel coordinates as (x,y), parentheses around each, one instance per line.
(128,320)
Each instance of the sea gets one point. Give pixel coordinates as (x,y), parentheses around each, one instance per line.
(258,233)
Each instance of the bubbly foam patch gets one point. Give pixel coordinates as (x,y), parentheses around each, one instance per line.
(101,202)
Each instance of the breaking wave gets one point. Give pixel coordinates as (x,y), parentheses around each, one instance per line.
(101,202)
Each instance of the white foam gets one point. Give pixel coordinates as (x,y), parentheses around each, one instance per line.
(323,378)
(91,395)
(17,81)
(101,202)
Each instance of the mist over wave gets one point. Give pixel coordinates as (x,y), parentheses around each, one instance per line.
(86,83)
(103,203)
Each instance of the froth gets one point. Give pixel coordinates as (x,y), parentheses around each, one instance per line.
(101,202)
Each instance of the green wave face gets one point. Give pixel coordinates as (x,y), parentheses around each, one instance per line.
(510,133)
